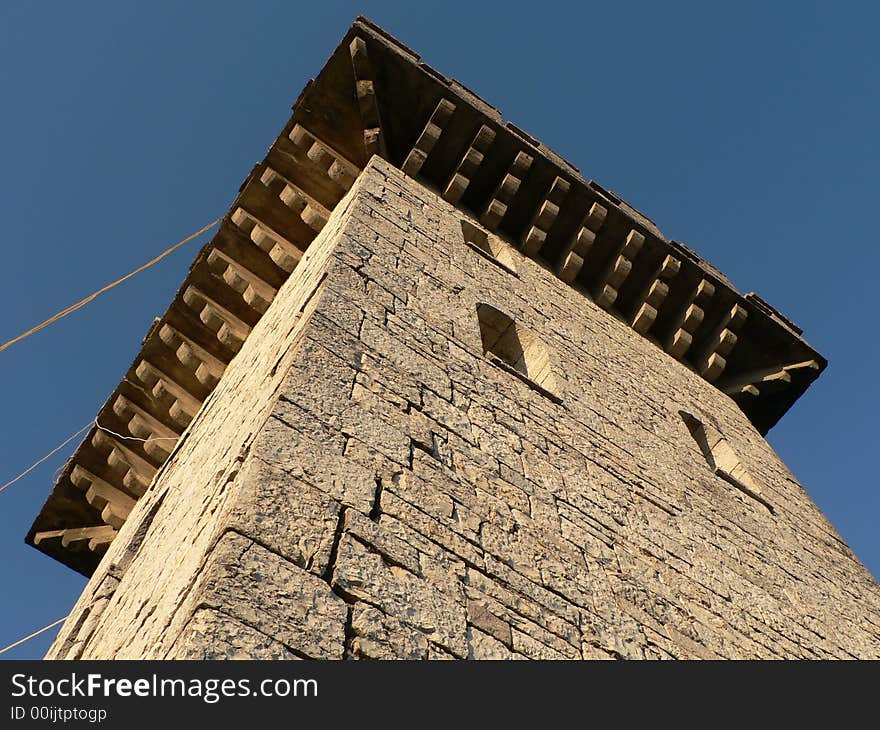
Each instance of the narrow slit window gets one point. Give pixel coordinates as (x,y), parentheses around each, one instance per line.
(723,460)
(489,246)
(517,350)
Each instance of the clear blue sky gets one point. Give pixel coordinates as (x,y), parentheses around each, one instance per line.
(750,132)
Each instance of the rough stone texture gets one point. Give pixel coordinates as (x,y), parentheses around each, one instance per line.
(379,636)
(365,483)
(214,635)
(286,603)
(213,483)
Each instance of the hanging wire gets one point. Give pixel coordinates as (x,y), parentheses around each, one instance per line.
(33,635)
(46,628)
(79,305)
(71,438)
(47,456)
(91,297)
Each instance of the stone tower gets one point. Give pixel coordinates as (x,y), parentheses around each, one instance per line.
(428,393)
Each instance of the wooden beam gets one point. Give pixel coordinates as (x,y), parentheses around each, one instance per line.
(428,138)
(79,538)
(229,329)
(283,252)
(469,164)
(759,384)
(712,360)
(113,504)
(148,425)
(257,293)
(159,439)
(95,539)
(333,164)
(544,217)
(100,542)
(47,535)
(681,334)
(618,269)
(206,368)
(571,261)
(775,375)
(802,366)
(298,200)
(504,193)
(138,473)
(365,89)
(184,406)
(648,303)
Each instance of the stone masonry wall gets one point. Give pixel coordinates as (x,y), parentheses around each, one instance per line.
(366,483)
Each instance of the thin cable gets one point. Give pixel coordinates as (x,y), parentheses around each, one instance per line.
(79,305)
(36,633)
(71,438)
(50,626)
(51,453)
(91,297)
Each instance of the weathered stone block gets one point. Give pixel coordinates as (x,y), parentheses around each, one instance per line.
(282,601)
(363,575)
(284,514)
(214,635)
(378,636)
(479,616)
(486,647)
(315,457)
